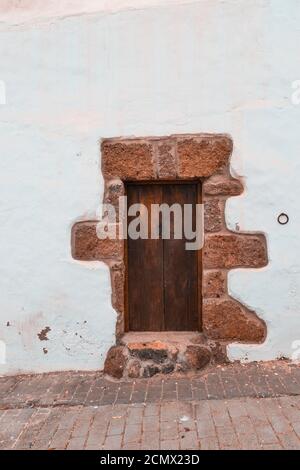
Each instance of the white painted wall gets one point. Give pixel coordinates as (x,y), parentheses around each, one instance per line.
(76,73)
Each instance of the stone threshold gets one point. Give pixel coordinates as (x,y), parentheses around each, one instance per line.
(145,354)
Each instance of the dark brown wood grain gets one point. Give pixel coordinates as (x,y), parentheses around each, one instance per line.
(180,269)
(145,268)
(162,276)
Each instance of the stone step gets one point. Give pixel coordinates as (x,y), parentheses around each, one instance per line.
(151,353)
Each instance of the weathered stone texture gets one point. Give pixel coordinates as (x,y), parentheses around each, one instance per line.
(115,362)
(133,369)
(234,250)
(128,160)
(214,284)
(197,357)
(213,215)
(117,272)
(155,351)
(86,246)
(221,185)
(166,160)
(204,155)
(228,320)
(113,191)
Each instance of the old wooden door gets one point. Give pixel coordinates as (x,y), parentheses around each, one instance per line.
(163,277)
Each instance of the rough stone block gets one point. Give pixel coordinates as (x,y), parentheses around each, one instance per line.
(197,357)
(166,160)
(234,250)
(118,284)
(213,215)
(86,246)
(128,160)
(155,351)
(201,156)
(115,362)
(221,185)
(227,320)
(214,284)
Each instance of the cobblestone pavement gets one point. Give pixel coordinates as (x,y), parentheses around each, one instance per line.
(233,407)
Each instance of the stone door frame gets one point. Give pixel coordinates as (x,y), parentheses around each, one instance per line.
(199,157)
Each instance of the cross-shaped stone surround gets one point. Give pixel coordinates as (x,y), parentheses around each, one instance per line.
(203,157)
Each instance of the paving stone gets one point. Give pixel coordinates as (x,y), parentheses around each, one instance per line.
(257,377)
(169,390)
(168,411)
(76,443)
(169,430)
(96,437)
(219,413)
(266,434)
(276,385)
(272,447)
(256,412)
(96,392)
(243,425)
(214,386)
(236,409)
(150,440)
(199,389)
(189,440)
(154,393)
(124,394)
(59,411)
(248,440)
(152,409)
(82,424)
(230,384)
(131,446)
(227,438)
(289,409)
(113,443)
(206,428)
(82,390)
(184,388)
(132,433)
(170,445)
(209,443)
(296,428)
(30,433)
(139,392)
(110,394)
(289,441)
(135,414)
(245,383)
(116,427)
(151,424)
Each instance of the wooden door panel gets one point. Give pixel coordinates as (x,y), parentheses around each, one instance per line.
(162,279)
(145,268)
(180,269)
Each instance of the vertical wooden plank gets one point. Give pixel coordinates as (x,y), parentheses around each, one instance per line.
(145,268)
(180,269)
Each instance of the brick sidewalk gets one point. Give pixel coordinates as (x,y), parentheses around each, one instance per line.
(236,406)
(240,423)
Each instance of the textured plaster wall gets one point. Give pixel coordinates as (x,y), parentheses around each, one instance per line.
(74,75)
